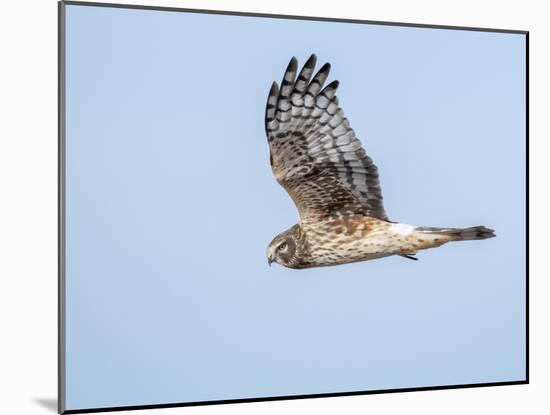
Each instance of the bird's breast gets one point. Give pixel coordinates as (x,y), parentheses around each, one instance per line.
(347,239)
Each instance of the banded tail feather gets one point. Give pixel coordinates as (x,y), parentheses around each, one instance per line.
(459,234)
(414,238)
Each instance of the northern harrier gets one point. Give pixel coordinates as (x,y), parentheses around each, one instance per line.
(317,158)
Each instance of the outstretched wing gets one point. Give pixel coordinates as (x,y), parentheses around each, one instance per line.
(314,152)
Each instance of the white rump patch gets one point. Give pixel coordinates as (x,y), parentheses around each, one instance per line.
(403,228)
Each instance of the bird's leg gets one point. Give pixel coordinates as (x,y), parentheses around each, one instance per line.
(409,257)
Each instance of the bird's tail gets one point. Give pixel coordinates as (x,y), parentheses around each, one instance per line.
(458,234)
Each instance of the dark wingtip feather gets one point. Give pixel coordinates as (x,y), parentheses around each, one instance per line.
(289,78)
(333,85)
(305,75)
(274,89)
(330,90)
(292,65)
(319,79)
(312,60)
(273,95)
(325,69)
(271,105)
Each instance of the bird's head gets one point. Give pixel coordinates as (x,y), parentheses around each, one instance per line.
(283,249)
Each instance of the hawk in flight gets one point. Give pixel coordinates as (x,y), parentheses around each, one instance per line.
(317,158)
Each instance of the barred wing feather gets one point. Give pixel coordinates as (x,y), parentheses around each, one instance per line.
(314,152)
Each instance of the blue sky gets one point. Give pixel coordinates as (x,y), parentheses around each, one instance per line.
(171,204)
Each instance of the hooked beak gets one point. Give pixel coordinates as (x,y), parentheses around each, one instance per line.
(270,257)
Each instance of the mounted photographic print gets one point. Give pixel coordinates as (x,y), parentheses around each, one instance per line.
(258,207)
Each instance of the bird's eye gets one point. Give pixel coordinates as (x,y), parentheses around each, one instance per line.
(282,246)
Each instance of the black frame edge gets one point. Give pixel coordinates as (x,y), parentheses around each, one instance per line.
(61,211)
(293,397)
(291,17)
(61,207)
(527,328)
